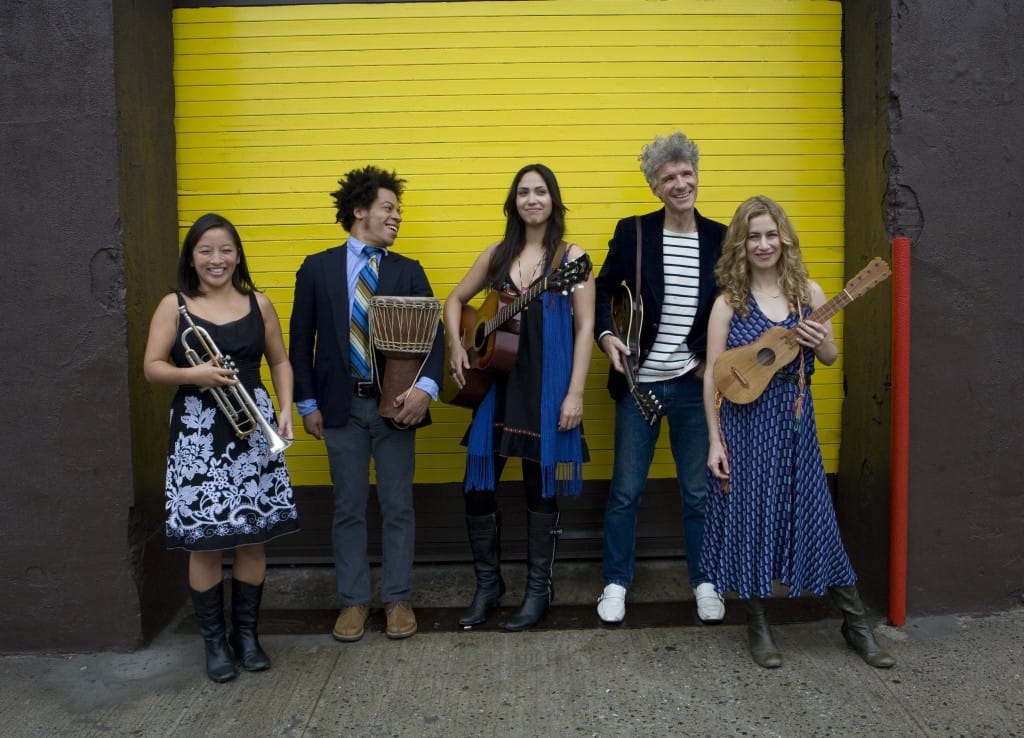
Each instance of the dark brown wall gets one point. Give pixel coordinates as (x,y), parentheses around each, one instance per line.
(87,210)
(935,114)
(863,478)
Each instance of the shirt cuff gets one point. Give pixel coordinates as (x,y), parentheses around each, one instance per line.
(305,407)
(429,386)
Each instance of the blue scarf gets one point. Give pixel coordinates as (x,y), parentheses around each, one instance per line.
(561,452)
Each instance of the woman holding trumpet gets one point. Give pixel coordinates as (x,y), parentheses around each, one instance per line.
(227,484)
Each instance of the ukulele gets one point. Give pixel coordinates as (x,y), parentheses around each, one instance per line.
(627,318)
(491,336)
(742,373)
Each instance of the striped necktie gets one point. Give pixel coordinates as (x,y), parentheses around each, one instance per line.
(359,335)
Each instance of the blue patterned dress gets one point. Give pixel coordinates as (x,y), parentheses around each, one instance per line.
(223,491)
(776,522)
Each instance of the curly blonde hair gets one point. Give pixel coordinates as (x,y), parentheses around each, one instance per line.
(732,270)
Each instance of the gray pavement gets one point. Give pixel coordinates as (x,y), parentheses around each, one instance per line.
(955,676)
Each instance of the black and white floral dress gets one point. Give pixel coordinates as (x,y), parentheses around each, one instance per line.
(224,491)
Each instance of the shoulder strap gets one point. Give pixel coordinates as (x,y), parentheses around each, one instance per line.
(556,260)
(639,254)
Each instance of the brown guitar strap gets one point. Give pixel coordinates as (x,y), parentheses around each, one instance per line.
(556,260)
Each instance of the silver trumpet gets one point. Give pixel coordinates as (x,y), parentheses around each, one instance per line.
(235,402)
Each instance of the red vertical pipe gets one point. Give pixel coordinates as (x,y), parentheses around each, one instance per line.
(899,443)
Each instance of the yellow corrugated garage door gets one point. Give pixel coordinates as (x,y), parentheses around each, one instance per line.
(275,103)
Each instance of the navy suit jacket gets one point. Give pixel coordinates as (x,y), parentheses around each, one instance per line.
(620,267)
(319,328)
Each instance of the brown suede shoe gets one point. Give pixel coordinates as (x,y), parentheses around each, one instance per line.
(401,619)
(350,623)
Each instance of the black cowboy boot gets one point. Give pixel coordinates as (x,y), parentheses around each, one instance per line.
(209,606)
(762,646)
(542,534)
(245,610)
(857,628)
(485,543)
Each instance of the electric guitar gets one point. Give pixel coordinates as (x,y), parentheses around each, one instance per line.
(627,318)
(490,333)
(742,373)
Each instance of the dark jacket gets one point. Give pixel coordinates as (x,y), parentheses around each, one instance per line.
(620,268)
(319,328)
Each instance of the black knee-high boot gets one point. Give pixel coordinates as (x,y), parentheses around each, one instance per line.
(209,606)
(245,611)
(485,543)
(762,645)
(857,627)
(542,534)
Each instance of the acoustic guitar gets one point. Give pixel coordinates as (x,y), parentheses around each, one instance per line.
(490,333)
(742,373)
(627,319)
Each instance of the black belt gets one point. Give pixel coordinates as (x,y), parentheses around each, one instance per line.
(364,388)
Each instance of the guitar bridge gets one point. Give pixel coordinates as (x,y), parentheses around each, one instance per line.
(739,377)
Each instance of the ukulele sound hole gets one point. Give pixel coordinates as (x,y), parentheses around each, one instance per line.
(766,357)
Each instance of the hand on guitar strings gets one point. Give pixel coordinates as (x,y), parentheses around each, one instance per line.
(458,363)
(817,337)
(810,333)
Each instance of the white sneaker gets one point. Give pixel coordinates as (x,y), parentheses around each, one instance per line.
(710,604)
(611,605)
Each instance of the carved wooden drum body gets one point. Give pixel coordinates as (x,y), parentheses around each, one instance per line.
(403,330)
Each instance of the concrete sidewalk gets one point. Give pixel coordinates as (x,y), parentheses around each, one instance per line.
(955,676)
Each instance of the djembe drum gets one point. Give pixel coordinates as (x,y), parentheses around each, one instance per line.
(403,330)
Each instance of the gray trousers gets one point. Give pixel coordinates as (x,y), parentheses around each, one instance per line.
(349,449)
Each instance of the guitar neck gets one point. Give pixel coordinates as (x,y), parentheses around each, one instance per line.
(507,312)
(831,307)
(827,310)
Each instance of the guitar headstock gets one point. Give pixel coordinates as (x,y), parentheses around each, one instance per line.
(571,274)
(649,405)
(874,273)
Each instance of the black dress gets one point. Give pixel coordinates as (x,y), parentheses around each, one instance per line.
(224,491)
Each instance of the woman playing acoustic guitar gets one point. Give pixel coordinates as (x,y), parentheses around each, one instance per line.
(769,514)
(534,411)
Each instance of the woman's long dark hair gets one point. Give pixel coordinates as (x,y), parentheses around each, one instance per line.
(188,278)
(515,229)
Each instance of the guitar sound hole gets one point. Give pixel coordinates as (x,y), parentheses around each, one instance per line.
(766,357)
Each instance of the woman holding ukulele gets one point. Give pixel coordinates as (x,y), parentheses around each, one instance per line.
(534,412)
(770,514)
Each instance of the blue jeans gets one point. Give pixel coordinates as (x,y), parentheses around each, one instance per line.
(682,400)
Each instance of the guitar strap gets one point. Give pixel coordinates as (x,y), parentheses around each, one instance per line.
(637,300)
(556,260)
(639,254)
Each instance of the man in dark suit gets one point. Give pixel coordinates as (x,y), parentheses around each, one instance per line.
(679,249)
(337,395)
